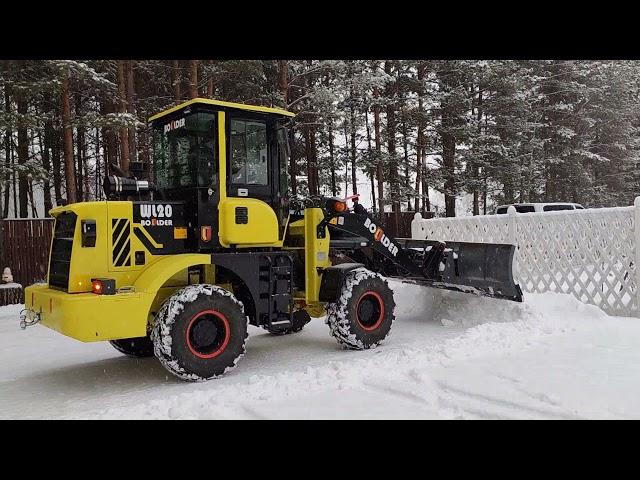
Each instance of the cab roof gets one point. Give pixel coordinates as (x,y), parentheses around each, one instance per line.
(238,106)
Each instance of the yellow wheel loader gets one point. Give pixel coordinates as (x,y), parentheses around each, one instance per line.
(179,266)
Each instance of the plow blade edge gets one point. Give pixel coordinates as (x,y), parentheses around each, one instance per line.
(480,268)
(486,267)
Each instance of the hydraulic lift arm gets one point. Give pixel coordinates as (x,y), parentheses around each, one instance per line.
(480,268)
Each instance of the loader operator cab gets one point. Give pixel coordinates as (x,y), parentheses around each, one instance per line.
(228,163)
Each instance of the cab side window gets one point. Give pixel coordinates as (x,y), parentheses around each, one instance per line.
(249,159)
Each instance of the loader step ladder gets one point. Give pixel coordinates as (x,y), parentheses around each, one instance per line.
(277,275)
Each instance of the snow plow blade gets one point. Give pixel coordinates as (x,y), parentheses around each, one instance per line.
(481,268)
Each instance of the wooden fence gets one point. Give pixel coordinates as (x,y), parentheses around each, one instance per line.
(24,248)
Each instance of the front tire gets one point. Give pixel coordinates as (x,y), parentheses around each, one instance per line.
(200,332)
(364,312)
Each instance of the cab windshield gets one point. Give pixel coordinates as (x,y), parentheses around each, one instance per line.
(184,152)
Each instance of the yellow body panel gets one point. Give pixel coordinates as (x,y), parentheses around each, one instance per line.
(168,267)
(92,262)
(218,103)
(261,229)
(89,317)
(316,256)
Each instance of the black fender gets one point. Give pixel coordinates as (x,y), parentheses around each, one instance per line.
(332,280)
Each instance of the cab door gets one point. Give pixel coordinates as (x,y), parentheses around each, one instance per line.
(248,213)
(249,158)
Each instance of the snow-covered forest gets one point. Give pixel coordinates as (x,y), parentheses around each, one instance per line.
(414,134)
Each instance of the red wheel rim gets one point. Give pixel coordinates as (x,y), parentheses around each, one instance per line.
(370,310)
(208,334)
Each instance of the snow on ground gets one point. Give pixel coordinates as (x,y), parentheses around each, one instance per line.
(449,355)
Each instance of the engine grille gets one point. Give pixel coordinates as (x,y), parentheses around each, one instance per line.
(61,250)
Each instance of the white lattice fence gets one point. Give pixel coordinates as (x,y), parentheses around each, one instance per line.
(591,254)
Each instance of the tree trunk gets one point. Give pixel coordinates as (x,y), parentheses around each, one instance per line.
(370,154)
(46,164)
(80,192)
(193,78)
(14,178)
(210,83)
(175,80)
(110,143)
(283,86)
(484,197)
(346,161)
(70,173)
(310,153)
(54,139)
(1,196)
(391,147)
(448,157)
(23,156)
(379,170)
(131,109)
(145,152)
(475,169)
(124,134)
(448,144)
(310,147)
(283,81)
(405,149)
(34,210)
(332,161)
(426,202)
(85,169)
(293,171)
(2,177)
(419,137)
(7,158)
(418,170)
(98,190)
(352,136)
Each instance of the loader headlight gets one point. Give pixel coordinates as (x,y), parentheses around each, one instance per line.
(103,286)
(336,205)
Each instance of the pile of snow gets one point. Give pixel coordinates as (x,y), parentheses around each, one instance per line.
(449,355)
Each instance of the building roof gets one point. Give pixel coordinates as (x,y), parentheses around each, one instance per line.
(239,106)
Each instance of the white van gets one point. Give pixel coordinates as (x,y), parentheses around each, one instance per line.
(538,207)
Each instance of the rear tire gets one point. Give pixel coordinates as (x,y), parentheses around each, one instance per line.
(364,312)
(134,347)
(200,332)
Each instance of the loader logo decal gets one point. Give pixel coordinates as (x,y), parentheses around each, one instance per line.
(379,236)
(121,243)
(155,215)
(173,125)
